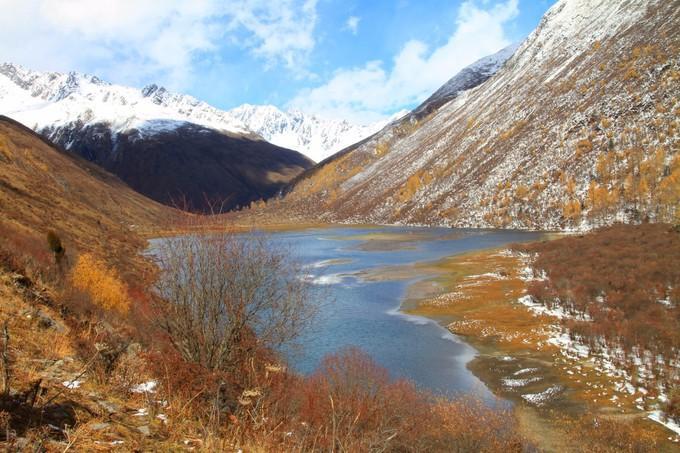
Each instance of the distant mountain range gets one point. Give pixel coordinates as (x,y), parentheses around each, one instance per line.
(177,149)
(52,101)
(577,129)
(170,147)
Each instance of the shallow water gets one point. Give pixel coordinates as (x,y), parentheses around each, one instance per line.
(365,313)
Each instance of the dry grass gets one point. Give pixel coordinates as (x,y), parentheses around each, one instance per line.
(482,304)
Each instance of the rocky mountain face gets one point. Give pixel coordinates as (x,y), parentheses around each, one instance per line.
(172,148)
(578,128)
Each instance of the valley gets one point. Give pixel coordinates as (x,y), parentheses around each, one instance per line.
(397,232)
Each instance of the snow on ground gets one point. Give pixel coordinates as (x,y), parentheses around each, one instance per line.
(541,398)
(73,384)
(145,387)
(658,417)
(509,382)
(525,371)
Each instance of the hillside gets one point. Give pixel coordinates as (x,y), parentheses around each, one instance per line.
(192,166)
(42,188)
(578,128)
(170,147)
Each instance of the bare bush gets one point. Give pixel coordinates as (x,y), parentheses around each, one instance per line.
(224,297)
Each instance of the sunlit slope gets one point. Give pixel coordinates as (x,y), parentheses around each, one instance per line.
(578,128)
(42,188)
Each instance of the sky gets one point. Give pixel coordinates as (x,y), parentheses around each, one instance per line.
(345,59)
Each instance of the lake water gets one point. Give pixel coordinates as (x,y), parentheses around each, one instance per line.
(364,313)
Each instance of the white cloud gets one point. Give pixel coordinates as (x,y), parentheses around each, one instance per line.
(134,40)
(373,91)
(281,31)
(352,24)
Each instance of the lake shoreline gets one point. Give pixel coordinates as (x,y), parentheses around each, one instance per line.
(474,296)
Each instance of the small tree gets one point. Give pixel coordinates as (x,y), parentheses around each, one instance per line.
(55,245)
(225,297)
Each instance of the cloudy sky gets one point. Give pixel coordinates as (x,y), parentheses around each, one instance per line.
(352,59)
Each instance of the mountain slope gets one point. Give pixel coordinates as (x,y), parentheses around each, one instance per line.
(468,78)
(579,127)
(192,166)
(42,188)
(169,147)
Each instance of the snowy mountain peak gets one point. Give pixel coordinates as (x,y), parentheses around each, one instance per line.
(48,101)
(314,136)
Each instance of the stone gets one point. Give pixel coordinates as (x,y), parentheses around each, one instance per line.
(108,406)
(100,426)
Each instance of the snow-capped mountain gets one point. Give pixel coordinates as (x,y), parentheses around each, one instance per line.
(48,101)
(313,136)
(577,129)
(468,78)
(168,146)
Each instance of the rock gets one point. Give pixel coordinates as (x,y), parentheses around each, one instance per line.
(144,429)
(47,322)
(21,281)
(108,406)
(100,426)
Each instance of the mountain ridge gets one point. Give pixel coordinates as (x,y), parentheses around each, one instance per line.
(576,130)
(45,100)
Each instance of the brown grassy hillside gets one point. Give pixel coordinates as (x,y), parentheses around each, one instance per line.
(42,188)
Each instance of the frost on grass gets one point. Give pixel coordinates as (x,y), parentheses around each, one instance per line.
(512,383)
(658,417)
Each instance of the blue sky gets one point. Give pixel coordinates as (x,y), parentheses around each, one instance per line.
(351,59)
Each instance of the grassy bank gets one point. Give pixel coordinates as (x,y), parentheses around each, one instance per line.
(477,300)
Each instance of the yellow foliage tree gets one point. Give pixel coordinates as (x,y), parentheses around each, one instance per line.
(381,149)
(572,210)
(600,200)
(521,192)
(669,192)
(604,167)
(94,278)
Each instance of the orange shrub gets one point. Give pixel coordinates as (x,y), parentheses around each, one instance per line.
(102,283)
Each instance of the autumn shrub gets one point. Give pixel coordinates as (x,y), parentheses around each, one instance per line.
(468,424)
(25,253)
(352,402)
(101,283)
(184,381)
(672,408)
(224,298)
(605,435)
(55,245)
(625,277)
